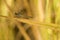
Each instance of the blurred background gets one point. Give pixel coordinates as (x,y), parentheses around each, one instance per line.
(29,19)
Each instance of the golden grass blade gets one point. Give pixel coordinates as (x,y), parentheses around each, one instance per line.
(31,22)
(56,4)
(23,32)
(27,6)
(36,23)
(7,34)
(48,13)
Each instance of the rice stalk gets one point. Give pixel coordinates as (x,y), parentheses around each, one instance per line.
(31,22)
(47,31)
(56,4)
(23,32)
(7,33)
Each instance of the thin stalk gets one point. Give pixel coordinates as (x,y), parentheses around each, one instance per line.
(56,4)
(31,22)
(34,29)
(23,32)
(46,32)
(26,5)
(6,31)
